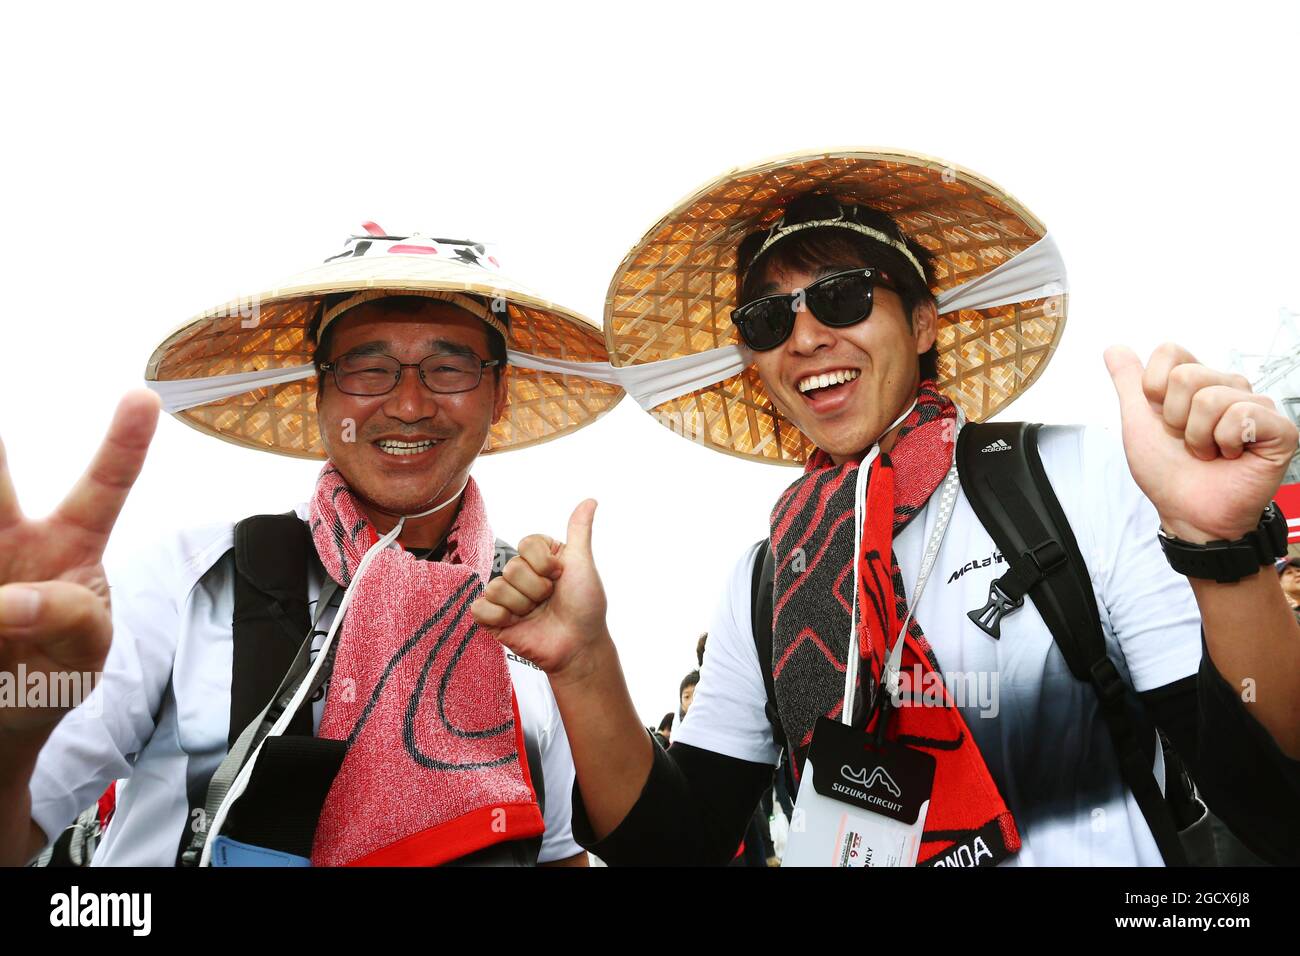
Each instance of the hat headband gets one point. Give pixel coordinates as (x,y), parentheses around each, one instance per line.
(779,232)
(471,305)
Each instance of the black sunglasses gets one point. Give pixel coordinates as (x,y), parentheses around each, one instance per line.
(838,300)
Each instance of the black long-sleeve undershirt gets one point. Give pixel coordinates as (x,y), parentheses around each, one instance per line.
(1242,774)
(692,811)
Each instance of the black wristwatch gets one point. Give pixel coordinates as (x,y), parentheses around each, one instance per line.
(1229,561)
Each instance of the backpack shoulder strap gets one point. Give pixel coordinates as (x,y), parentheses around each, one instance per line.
(1003,478)
(272,556)
(760,612)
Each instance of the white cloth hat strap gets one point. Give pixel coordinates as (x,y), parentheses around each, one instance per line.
(597,371)
(1037,272)
(183,393)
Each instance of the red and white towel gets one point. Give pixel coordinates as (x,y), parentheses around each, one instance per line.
(423,697)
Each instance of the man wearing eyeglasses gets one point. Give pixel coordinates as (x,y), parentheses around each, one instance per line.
(408,387)
(835,310)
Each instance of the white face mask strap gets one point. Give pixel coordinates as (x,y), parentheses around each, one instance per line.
(437,508)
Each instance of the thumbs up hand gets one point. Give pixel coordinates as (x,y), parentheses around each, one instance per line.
(548,605)
(1207,451)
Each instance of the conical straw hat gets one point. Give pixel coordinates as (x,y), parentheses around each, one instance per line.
(673,294)
(218,371)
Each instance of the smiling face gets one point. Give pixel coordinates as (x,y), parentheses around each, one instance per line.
(844,387)
(411,448)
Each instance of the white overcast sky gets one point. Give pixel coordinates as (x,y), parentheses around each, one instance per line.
(162,159)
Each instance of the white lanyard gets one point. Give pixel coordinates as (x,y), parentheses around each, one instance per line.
(947,503)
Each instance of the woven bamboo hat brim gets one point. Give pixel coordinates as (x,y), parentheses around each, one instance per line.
(673,294)
(264,333)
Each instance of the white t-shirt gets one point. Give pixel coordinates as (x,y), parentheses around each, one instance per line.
(1041,734)
(158,722)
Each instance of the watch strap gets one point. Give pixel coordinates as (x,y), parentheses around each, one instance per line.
(1230,561)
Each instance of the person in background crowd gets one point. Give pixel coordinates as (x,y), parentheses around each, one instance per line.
(664,732)
(686,693)
(1288,574)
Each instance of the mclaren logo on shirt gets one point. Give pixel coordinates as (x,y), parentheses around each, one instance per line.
(521,660)
(994,558)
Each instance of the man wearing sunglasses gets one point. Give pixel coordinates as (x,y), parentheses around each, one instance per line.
(421,742)
(836,313)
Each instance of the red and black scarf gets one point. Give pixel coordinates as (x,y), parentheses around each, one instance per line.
(812,543)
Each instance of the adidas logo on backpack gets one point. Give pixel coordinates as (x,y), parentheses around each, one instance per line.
(998,445)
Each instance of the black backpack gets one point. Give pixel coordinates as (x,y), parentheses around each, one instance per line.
(1003,478)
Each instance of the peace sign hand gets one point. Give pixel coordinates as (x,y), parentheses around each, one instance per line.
(54,606)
